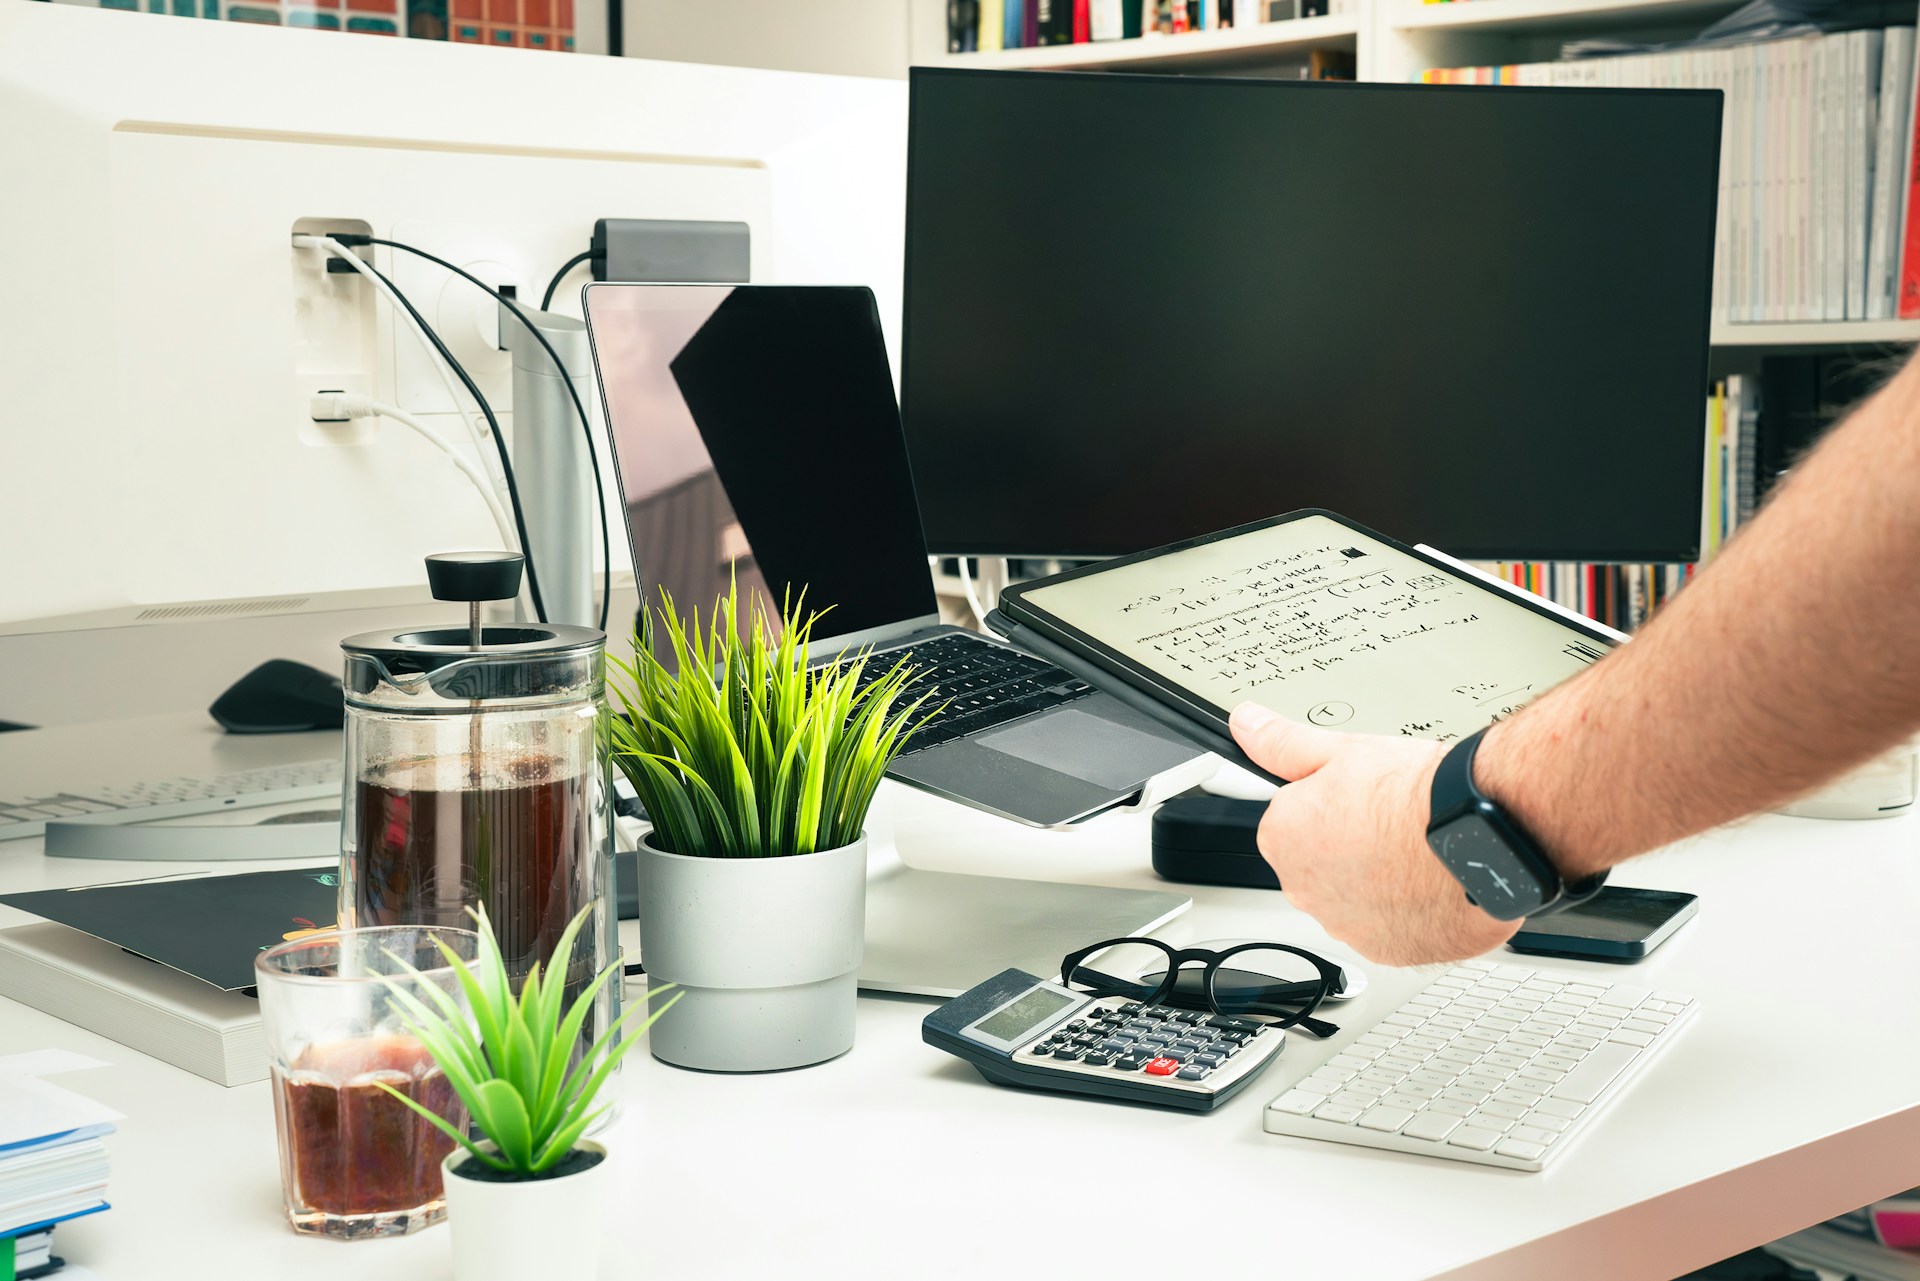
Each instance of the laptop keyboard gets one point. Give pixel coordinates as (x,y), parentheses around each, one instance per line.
(984,684)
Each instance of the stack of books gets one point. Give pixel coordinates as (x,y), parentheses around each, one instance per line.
(1817,161)
(1872,1244)
(977,25)
(53,1167)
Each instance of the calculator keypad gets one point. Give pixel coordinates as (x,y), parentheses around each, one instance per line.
(1181,1049)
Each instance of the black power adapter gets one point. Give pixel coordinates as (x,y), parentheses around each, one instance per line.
(1205,839)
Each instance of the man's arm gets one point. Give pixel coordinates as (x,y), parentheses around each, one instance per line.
(1792,659)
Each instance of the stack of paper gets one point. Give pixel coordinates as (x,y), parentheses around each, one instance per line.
(53,1158)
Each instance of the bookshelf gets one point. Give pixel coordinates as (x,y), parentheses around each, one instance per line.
(1848,333)
(1195,51)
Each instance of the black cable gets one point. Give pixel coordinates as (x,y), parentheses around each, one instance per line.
(566,380)
(499,441)
(546,303)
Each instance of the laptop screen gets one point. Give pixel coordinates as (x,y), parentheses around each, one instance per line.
(755,431)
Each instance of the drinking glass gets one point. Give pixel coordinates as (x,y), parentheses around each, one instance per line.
(356,1162)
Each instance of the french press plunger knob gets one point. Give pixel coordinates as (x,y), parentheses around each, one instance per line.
(474,577)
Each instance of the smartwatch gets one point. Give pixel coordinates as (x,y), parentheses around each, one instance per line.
(1503,870)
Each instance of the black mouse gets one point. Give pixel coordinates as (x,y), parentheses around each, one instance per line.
(280,697)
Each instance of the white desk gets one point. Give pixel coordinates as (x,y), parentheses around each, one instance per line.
(1794,1096)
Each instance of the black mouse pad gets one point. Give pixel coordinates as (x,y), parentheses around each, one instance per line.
(210,927)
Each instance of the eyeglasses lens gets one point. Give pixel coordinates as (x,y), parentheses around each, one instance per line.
(1267,981)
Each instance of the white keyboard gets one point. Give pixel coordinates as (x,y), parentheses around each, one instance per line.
(1495,1064)
(22,816)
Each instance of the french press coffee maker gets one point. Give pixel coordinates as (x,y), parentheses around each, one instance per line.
(475,777)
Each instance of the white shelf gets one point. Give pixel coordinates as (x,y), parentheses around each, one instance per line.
(1234,44)
(1546,15)
(1814,333)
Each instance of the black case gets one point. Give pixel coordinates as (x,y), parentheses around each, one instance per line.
(1204,839)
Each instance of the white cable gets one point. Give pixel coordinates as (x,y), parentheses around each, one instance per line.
(482,444)
(973,597)
(332,406)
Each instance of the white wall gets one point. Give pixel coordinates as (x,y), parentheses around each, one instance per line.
(840,37)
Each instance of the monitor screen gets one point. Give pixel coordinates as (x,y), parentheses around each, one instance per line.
(1144,308)
(755,432)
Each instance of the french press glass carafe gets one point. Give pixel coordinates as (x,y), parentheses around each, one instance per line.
(475,776)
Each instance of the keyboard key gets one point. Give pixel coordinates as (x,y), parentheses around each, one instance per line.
(1515,973)
(1627,997)
(1338,1113)
(1529,1134)
(1521,1150)
(1478,1138)
(1521,1098)
(1410,1102)
(1431,1126)
(1558,1107)
(1453,1107)
(1546,1121)
(1347,1062)
(1387,1119)
(1637,1039)
(1510,1111)
(1638,1024)
(1596,1072)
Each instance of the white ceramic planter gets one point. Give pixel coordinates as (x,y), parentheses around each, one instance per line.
(518,1231)
(765,950)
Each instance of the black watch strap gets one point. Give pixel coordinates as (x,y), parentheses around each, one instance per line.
(1454,790)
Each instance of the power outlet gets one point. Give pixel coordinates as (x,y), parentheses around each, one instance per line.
(334,335)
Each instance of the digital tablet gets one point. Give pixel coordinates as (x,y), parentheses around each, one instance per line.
(1310,614)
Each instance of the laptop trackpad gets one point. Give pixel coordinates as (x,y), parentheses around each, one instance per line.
(1072,742)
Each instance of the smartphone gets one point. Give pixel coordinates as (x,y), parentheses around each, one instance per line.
(1617,924)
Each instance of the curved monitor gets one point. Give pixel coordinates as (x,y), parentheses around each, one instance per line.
(1144,308)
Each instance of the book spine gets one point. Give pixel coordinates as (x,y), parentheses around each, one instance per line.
(1896,74)
(1082,22)
(1106,21)
(993,25)
(1863,70)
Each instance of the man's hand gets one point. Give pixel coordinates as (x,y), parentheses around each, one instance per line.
(1347,836)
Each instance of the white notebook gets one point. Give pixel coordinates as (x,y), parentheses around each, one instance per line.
(142,1005)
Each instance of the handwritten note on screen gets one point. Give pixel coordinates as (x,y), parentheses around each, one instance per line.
(1326,625)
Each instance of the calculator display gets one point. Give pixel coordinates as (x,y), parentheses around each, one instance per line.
(1024,1014)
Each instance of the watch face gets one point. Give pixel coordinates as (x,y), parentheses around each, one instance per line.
(1492,874)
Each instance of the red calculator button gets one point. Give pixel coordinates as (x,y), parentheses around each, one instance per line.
(1163,1067)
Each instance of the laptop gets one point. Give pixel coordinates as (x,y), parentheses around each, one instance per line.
(755,432)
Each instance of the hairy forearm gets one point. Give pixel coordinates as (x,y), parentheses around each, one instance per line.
(1789,660)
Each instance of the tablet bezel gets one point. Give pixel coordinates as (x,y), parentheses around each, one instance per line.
(1015,605)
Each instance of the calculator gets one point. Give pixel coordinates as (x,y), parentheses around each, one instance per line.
(1023,1031)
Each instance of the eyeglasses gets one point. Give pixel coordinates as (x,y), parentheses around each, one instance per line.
(1271,981)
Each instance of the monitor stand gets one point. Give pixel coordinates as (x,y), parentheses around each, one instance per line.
(940,933)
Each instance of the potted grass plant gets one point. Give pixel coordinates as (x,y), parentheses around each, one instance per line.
(526,1198)
(757,772)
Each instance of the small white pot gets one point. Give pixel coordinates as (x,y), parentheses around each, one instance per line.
(766,952)
(526,1231)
